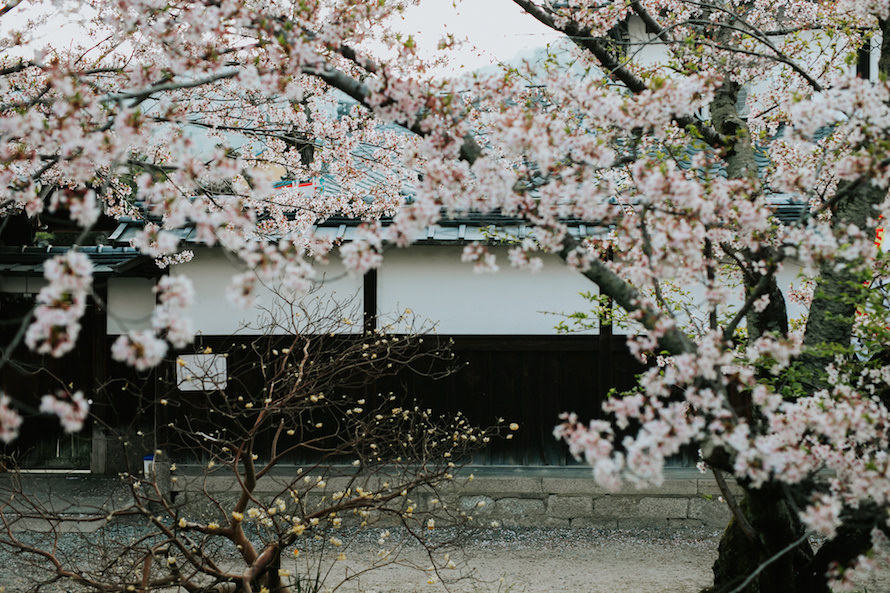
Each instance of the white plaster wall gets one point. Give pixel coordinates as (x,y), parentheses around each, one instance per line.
(429,280)
(130,302)
(691,307)
(435,284)
(791,278)
(644,50)
(211,271)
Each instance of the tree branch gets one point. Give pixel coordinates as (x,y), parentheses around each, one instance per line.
(628,298)
(614,69)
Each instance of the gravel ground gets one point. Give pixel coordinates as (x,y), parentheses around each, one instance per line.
(545,560)
(488,561)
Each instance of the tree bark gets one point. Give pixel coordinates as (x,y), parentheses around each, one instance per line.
(742,560)
(781,561)
(771,510)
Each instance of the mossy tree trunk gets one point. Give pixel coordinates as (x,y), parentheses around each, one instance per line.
(765,549)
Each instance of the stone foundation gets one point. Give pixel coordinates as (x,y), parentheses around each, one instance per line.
(685,499)
(560,497)
(510,497)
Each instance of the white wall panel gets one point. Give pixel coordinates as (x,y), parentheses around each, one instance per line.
(211,272)
(429,280)
(435,284)
(130,302)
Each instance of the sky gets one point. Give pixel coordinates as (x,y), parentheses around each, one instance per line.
(498,29)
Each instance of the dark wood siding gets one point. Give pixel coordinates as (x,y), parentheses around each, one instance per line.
(27,376)
(529,380)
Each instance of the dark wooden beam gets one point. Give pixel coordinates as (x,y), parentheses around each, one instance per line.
(99,392)
(369,298)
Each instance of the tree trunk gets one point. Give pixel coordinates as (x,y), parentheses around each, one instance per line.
(781,560)
(780,553)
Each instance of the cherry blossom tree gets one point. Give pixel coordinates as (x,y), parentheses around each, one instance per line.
(671,126)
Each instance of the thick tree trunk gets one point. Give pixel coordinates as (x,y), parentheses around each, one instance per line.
(767,560)
(833,310)
(780,559)
(777,560)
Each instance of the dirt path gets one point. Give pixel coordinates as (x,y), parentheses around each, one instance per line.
(559,561)
(504,561)
(543,561)
(489,561)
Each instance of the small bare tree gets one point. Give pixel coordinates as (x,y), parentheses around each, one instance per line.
(225,507)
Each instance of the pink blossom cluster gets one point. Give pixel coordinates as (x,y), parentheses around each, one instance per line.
(141,349)
(864,567)
(155,242)
(71,408)
(365,252)
(240,291)
(484,260)
(181,257)
(171,315)
(144,349)
(82,205)
(10,420)
(60,304)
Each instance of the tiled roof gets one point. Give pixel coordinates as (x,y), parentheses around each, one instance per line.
(465,228)
(106,260)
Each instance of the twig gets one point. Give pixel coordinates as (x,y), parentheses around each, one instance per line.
(734,506)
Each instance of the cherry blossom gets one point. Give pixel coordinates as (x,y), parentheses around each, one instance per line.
(71,408)
(10,420)
(61,304)
(176,294)
(140,349)
(673,132)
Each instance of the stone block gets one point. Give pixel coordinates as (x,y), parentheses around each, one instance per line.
(669,508)
(530,520)
(316,501)
(615,506)
(519,507)
(478,505)
(339,483)
(713,512)
(502,485)
(652,523)
(623,507)
(430,501)
(593,523)
(569,507)
(708,487)
(670,487)
(572,486)
(538,521)
(221,482)
(551,522)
